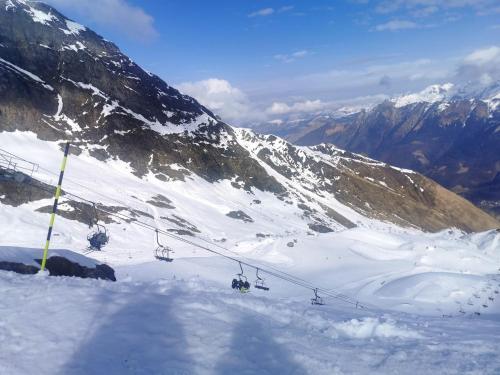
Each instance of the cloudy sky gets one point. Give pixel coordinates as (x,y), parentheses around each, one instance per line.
(257,60)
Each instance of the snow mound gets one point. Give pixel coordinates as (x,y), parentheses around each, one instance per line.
(27,256)
(365,328)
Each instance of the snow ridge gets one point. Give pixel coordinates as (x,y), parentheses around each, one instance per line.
(431,94)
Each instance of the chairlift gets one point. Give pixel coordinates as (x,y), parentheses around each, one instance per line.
(241,283)
(162,252)
(316,300)
(260,282)
(99,237)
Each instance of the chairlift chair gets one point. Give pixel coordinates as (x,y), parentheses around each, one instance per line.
(162,252)
(99,237)
(316,300)
(260,282)
(241,283)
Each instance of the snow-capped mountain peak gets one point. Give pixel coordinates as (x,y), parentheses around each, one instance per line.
(431,94)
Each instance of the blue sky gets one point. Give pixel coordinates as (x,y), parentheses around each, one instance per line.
(242,56)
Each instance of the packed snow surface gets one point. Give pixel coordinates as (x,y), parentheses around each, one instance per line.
(189,326)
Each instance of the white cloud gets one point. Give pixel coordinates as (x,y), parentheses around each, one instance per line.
(262,12)
(279,108)
(484,56)
(396,25)
(356,84)
(118,15)
(222,98)
(425,12)
(288,58)
(286,8)
(481,67)
(390,6)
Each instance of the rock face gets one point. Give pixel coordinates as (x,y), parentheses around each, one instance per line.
(60,266)
(454,141)
(62,81)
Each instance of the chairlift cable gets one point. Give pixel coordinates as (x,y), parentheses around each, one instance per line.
(277,274)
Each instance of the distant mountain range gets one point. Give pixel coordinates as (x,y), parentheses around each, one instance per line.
(61,81)
(449,134)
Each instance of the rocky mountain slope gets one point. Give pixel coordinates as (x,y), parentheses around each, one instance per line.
(61,81)
(448,136)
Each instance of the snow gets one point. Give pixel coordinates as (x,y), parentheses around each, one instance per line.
(59,106)
(28,255)
(25,73)
(73,28)
(87,86)
(9,5)
(164,316)
(374,327)
(40,16)
(431,94)
(74,47)
(493,102)
(189,326)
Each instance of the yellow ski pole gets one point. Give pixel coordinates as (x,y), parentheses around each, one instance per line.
(54,208)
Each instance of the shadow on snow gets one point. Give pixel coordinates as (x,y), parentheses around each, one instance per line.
(254,351)
(143,337)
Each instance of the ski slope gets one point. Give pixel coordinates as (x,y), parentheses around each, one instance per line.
(191,326)
(423,292)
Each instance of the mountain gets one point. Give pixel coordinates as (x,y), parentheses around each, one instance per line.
(443,132)
(162,170)
(61,81)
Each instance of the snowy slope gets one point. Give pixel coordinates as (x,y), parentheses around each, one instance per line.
(367,262)
(192,327)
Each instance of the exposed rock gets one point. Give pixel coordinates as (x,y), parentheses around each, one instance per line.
(240,215)
(79,86)
(320,228)
(18,268)
(60,266)
(161,201)
(454,142)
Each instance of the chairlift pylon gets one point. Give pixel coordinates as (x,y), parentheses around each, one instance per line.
(99,237)
(241,283)
(260,282)
(316,300)
(162,252)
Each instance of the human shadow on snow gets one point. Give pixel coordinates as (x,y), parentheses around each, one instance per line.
(253,350)
(143,337)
